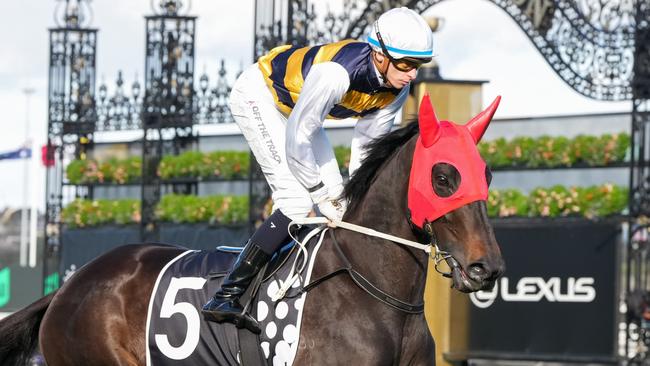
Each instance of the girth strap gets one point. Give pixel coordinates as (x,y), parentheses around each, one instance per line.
(251,353)
(365,285)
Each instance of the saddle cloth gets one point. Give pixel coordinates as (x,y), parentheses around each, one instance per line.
(177,333)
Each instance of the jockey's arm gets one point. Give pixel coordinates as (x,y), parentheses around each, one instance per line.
(324,86)
(372,126)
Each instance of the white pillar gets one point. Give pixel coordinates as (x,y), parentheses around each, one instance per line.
(33,213)
(24,225)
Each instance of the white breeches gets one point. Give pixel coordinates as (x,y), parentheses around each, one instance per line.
(264,126)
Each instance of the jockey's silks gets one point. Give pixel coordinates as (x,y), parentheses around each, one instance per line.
(447,142)
(285,69)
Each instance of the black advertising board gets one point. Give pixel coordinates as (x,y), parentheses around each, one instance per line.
(557,299)
(19,286)
(80,246)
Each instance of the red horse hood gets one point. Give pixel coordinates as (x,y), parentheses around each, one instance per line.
(447,142)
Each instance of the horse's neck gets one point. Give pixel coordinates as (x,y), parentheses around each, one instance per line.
(384,206)
(393,267)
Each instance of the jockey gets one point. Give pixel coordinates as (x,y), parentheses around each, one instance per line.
(280,104)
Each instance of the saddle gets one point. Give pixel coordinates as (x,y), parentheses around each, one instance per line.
(176,334)
(278,259)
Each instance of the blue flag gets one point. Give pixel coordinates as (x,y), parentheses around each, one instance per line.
(21,153)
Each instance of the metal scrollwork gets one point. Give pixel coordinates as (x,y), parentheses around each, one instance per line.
(169,73)
(595,62)
(73,13)
(642,56)
(211,104)
(119,111)
(607,15)
(170,7)
(588,43)
(640,182)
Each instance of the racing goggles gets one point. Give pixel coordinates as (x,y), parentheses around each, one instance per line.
(405,64)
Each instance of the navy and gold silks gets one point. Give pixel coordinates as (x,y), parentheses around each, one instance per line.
(285,69)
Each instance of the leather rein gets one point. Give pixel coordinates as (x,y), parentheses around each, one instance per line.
(432,250)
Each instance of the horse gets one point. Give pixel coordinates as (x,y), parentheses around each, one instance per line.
(97,317)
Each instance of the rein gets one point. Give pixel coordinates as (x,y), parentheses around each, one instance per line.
(365,285)
(432,250)
(364,230)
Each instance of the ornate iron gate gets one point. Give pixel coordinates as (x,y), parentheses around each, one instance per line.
(167,110)
(638,258)
(167,113)
(71,113)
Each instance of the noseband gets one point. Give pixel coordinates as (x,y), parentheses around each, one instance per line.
(439,255)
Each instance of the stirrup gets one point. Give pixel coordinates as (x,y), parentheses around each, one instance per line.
(240,320)
(245,320)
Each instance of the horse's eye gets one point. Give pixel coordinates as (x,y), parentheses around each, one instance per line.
(488,175)
(445,179)
(442,180)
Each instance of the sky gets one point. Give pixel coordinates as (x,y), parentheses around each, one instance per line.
(478,41)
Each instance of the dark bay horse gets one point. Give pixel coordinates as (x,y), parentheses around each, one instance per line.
(98,316)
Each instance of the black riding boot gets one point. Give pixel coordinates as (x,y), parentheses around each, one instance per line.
(224,305)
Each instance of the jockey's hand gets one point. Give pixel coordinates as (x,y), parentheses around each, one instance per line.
(329,201)
(332,209)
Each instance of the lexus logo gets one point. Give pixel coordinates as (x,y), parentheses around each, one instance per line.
(536,289)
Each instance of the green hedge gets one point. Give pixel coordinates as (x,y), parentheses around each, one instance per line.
(543,151)
(212,209)
(217,164)
(110,171)
(546,151)
(519,152)
(172,208)
(191,164)
(559,201)
(80,213)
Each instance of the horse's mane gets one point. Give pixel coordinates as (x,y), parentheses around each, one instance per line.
(379,151)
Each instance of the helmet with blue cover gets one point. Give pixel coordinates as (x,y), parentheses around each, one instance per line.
(404,37)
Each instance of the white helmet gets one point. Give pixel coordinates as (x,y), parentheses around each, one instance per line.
(404,33)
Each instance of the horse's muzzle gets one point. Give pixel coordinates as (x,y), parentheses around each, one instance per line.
(464,282)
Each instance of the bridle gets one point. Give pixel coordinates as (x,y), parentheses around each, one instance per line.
(439,255)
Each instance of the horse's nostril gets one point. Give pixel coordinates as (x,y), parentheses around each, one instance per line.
(477,271)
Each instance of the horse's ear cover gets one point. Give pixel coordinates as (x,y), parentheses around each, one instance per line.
(447,142)
(429,124)
(479,124)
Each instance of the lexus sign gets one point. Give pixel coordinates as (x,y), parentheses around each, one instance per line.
(536,289)
(558,297)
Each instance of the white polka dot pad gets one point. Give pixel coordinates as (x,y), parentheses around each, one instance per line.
(280,320)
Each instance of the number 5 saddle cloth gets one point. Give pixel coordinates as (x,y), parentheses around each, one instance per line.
(177,333)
